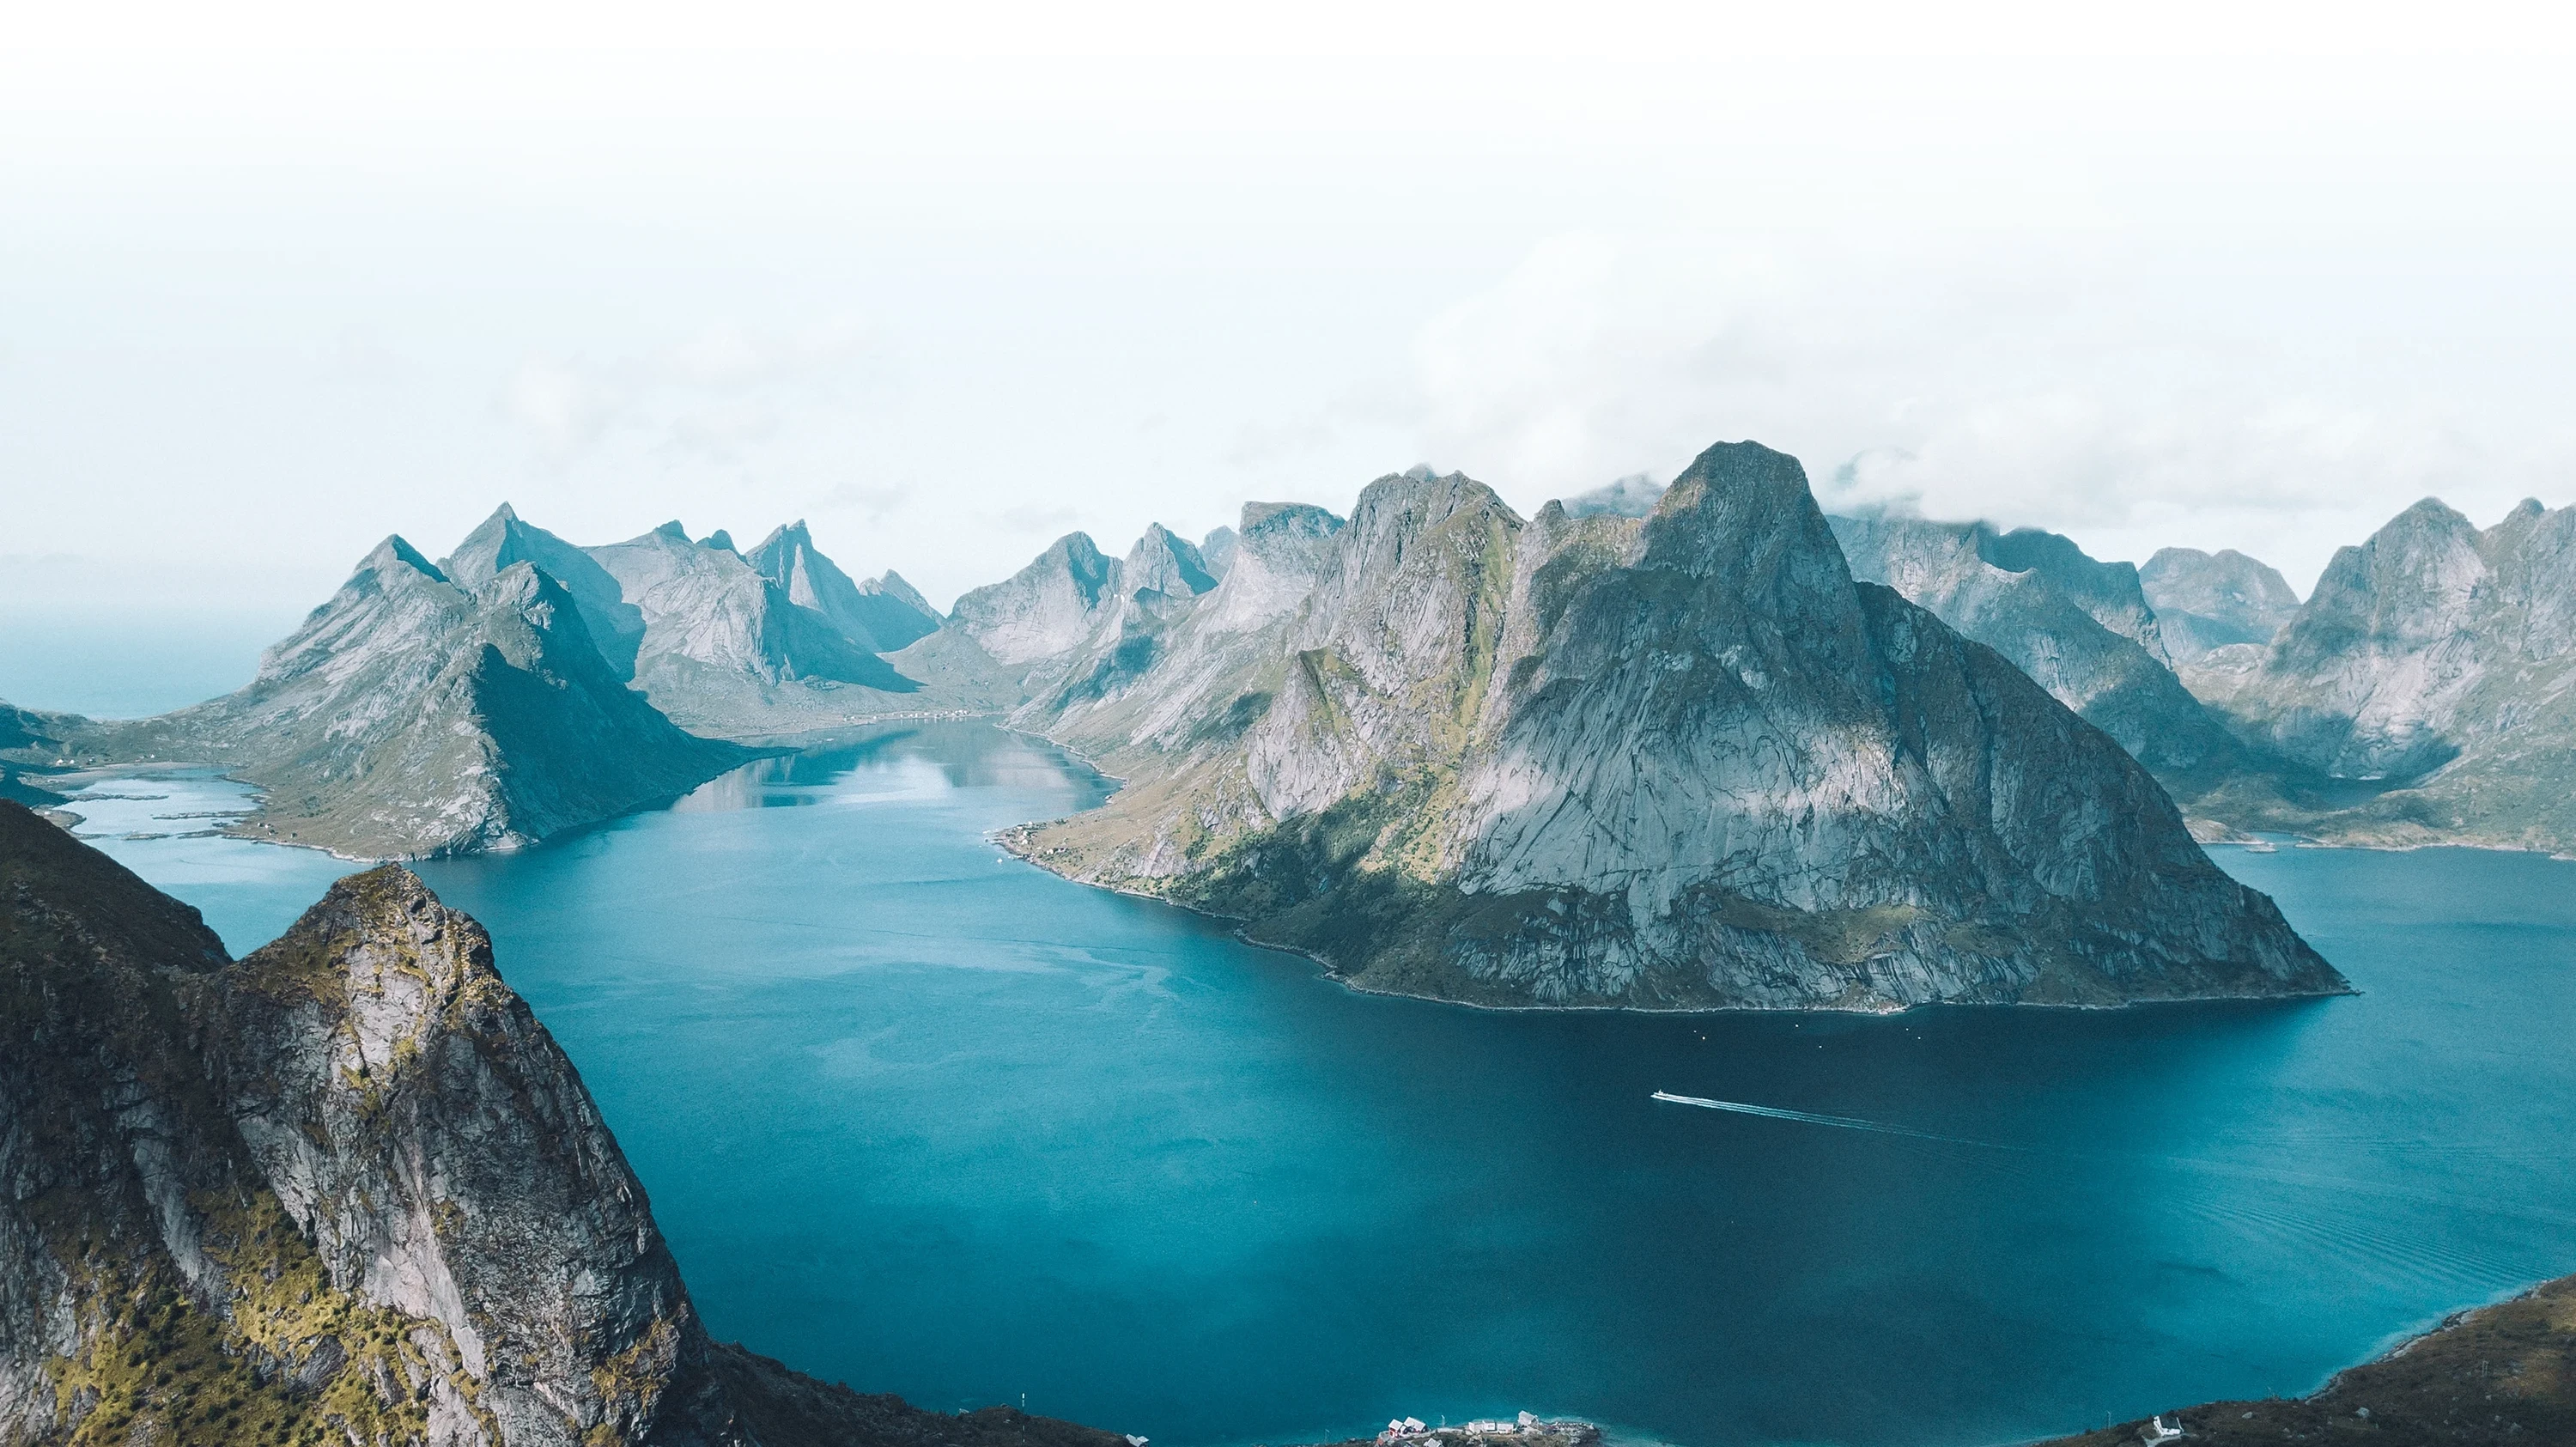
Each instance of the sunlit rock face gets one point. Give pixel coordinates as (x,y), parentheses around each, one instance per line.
(1045,609)
(2434,664)
(1677,760)
(2208,601)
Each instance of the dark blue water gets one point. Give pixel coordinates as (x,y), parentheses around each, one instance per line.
(918,1116)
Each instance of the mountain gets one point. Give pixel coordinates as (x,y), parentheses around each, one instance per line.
(616,626)
(1217,549)
(2208,601)
(2432,673)
(1277,559)
(1168,565)
(728,651)
(27,737)
(409,716)
(347,1188)
(1045,610)
(1678,761)
(2081,628)
(882,615)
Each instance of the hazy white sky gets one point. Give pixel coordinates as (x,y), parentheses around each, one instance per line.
(949,285)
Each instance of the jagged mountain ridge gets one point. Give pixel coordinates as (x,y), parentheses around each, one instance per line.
(2082,629)
(881,615)
(1076,610)
(754,647)
(346,1187)
(616,626)
(2208,601)
(726,651)
(1683,761)
(408,716)
(2434,670)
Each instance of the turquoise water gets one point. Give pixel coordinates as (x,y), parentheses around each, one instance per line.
(921,1117)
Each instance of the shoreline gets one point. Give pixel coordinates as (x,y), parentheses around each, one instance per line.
(1010,837)
(2502,1365)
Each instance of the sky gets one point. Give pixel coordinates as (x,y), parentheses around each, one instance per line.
(278,281)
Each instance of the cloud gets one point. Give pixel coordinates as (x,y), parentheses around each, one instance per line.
(564,406)
(718,394)
(1256,443)
(870,504)
(1029,518)
(2112,391)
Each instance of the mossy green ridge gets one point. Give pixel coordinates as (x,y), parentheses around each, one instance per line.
(345,1190)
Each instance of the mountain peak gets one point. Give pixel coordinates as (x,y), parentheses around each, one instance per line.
(395,552)
(672,529)
(1166,563)
(2430,514)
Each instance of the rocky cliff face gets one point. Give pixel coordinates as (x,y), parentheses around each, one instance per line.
(1678,761)
(2082,629)
(347,1189)
(1044,610)
(1217,550)
(409,717)
(616,626)
(881,615)
(2209,601)
(2432,671)
(728,651)
(1076,613)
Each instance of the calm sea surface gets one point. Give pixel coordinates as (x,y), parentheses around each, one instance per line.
(922,1117)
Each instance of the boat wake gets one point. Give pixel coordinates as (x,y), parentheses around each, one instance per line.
(1773,1112)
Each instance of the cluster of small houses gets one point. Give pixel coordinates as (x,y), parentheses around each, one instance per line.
(1404,1428)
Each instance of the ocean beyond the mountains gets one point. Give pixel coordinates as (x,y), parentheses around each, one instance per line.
(919,1115)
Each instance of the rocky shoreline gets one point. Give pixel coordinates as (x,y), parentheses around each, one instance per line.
(2497,1376)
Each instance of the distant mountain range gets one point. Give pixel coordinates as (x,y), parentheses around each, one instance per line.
(484,702)
(2209,601)
(1392,705)
(347,1189)
(413,716)
(2430,679)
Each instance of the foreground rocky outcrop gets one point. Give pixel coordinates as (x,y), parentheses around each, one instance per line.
(410,716)
(2208,601)
(2431,678)
(1681,761)
(346,1189)
(2500,1376)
